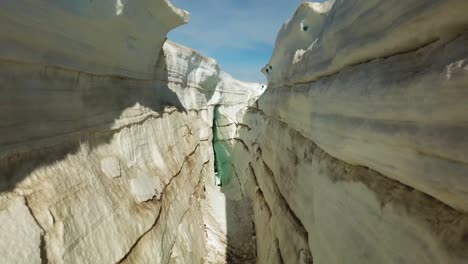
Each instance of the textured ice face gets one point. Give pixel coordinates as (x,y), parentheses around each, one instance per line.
(104,37)
(296,35)
(323,38)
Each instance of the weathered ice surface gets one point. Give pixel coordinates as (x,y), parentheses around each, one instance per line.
(110,137)
(405,116)
(111,37)
(105,150)
(323,38)
(17,221)
(357,152)
(312,203)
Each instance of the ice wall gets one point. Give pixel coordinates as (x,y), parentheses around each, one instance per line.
(106,136)
(358,148)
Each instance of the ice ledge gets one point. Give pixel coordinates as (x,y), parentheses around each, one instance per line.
(104,37)
(321,39)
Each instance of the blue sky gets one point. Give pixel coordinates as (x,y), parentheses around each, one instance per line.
(239,34)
